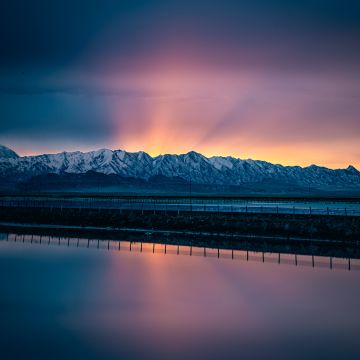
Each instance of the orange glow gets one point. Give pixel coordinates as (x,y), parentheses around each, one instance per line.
(229,115)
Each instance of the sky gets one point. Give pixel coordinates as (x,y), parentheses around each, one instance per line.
(272,80)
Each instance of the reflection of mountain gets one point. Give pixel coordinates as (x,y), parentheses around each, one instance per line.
(139,168)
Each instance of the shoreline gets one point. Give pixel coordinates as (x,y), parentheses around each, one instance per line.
(344,229)
(150,232)
(307,247)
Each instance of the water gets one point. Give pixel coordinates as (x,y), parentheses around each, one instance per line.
(281,206)
(60,301)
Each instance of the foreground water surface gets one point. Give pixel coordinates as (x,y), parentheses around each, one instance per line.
(70,302)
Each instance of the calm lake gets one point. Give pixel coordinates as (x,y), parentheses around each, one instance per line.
(61,299)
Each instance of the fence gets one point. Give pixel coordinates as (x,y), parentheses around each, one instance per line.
(157,248)
(186,205)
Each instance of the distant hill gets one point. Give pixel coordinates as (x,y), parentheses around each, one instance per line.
(119,168)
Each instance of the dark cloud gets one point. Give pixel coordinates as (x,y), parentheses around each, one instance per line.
(53,116)
(89,71)
(280,33)
(40,32)
(74,91)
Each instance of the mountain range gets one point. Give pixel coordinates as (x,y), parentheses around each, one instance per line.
(190,167)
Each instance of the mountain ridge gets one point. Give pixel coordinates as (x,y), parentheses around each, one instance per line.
(7,153)
(191,166)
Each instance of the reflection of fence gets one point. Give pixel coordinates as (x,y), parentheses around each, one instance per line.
(233,254)
(176,206)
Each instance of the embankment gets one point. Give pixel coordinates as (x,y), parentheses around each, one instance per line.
(340,228)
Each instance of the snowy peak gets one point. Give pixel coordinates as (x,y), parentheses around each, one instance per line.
(6,153)
(216,170)
(221,163)
(352,169)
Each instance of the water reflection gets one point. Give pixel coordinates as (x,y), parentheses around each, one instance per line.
(314,260)
(67,299)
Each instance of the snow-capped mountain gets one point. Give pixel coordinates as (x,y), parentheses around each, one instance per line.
(216,170)
(6,153)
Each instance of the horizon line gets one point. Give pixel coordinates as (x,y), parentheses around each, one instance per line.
(178,154)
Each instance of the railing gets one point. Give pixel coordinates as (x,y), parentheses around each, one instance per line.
(186,206)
